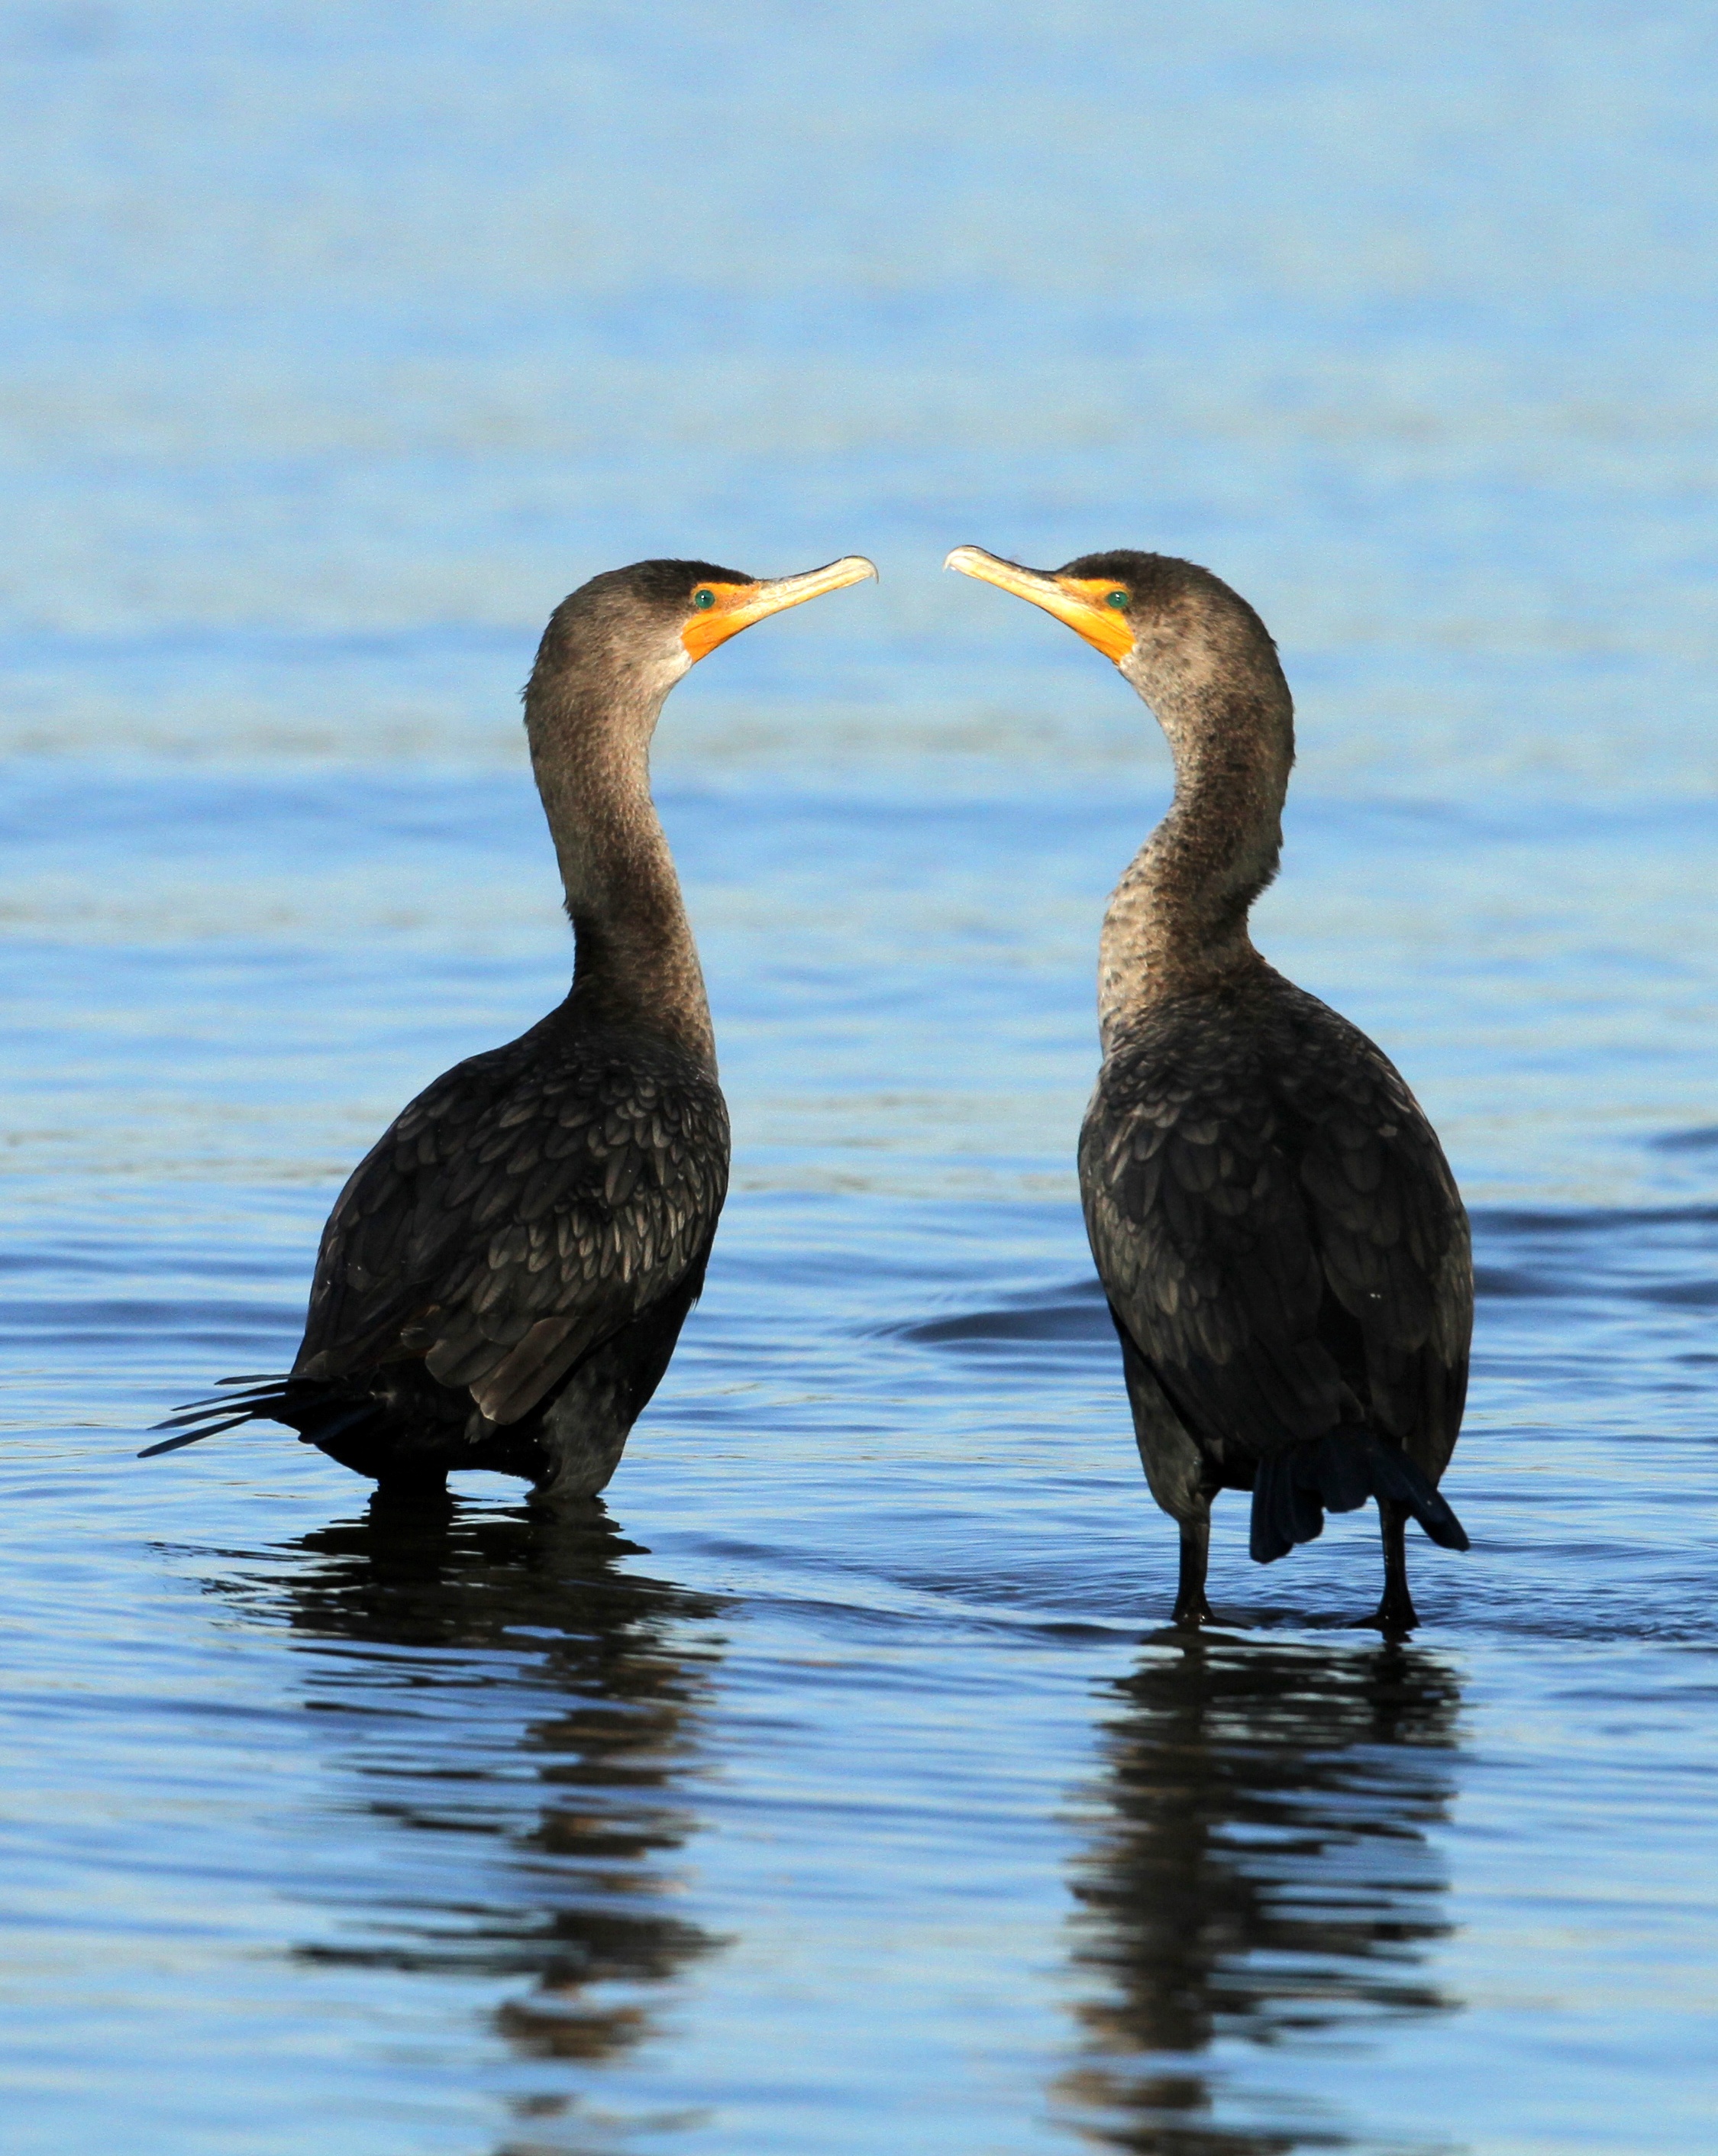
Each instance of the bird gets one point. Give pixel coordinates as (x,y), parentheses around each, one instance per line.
(502,1281)
(1286,1253)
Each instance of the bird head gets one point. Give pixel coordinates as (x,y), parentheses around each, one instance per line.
(627,636)
(1172,628)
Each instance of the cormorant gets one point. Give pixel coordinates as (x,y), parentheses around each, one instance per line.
(503,1279)
(1283,1248)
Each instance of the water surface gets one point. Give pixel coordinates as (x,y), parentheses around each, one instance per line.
(835,1786)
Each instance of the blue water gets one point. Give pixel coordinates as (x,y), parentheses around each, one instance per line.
(838,1787)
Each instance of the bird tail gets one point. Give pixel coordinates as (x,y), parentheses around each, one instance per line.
(309,1408)
(1293,1491)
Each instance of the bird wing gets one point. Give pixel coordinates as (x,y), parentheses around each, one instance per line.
(1278,1231)
(518,1213)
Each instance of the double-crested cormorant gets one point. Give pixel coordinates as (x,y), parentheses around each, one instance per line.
(502,1280)
(1283,1245)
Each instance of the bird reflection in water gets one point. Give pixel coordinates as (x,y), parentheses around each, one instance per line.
(526,1709)
(1261,1871)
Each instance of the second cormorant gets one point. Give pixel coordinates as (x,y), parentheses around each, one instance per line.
(1283,1248)
(502,1280)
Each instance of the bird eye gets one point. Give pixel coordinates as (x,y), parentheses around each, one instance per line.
(1115,598)
(702,600)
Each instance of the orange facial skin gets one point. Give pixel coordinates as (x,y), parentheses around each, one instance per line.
(737,606)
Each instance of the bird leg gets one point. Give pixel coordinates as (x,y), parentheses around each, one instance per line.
(414,1489)
(1190,1607)
(1395,1613)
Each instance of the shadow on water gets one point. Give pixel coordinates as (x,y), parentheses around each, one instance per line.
(523,1710)
(1261,1871)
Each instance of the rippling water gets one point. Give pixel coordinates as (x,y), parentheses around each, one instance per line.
(835,1786)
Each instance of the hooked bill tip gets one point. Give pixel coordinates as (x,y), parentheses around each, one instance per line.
(850,569)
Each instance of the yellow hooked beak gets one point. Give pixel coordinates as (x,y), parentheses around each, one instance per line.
(1082,602)
(731,607)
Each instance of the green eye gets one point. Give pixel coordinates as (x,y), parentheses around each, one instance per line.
(1115,598)
(702,600)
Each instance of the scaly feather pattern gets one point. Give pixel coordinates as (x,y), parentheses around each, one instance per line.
(1277,1229)
(524,1209)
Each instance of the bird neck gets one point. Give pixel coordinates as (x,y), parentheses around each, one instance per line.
(1177,922)
(635,964)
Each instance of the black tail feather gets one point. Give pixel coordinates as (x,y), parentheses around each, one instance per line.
(240,1407)
(1394,1475)
(316,1433)
(190,1436)
(305,1406)
(1293,1491)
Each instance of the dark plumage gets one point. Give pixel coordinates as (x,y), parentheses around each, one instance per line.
(502,1280)
(1284,1251)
